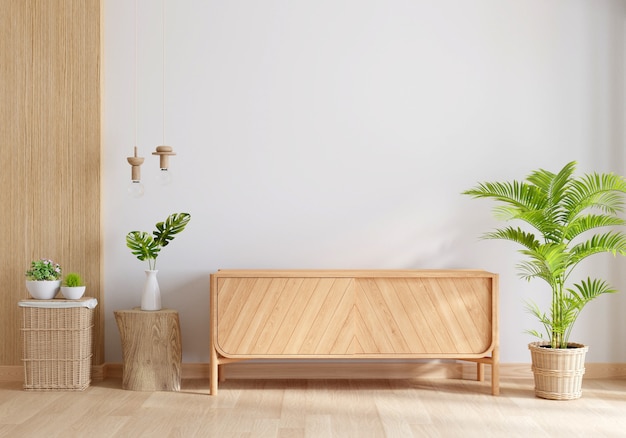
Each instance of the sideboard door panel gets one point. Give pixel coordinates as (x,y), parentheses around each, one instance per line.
(423,316)
(285,317)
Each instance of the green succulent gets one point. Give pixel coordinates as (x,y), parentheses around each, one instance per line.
(73,280)
(146,246)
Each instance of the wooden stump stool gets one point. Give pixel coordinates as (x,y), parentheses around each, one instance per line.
(151,349)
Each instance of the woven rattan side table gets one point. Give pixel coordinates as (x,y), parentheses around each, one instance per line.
(57,343)
(151,349)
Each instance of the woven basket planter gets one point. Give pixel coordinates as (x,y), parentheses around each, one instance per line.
(57,348)
(558,371)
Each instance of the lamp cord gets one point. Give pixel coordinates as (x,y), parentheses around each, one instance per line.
(163,67)
(136,74)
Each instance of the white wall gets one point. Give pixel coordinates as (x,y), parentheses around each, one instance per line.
(339,134)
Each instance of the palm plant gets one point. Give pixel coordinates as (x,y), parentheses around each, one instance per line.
(146,246)
(561,210)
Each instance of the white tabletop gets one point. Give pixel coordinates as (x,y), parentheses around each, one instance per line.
(88,302)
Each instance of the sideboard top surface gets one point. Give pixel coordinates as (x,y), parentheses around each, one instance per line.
(354,273)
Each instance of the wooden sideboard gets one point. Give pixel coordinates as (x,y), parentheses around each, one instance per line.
(354,314)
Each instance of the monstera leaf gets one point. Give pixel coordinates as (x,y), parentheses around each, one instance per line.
(146,246)
(173,225)
(142,245)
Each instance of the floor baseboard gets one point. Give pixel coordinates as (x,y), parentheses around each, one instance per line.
(341,370)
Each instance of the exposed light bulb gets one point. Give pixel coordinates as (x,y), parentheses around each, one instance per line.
(136,189)
(165,177)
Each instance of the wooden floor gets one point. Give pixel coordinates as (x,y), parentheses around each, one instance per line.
(315,408)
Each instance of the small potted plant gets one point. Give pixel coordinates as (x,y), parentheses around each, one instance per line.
(43,279)
(562,214)
(73,287)
(146,246)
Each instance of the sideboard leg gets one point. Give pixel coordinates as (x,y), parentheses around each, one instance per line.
(495,379)
(495,372)
(213,378)
(480,371)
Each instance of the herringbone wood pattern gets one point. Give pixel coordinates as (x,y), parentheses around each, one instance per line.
(400,316)
(343,316)
(285,316)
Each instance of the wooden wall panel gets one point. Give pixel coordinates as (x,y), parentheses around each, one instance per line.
(50,59)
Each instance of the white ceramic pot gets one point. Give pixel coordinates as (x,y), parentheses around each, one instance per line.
(151,295)
(43,290)
(73,293)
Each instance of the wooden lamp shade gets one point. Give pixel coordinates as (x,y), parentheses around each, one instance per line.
(136,163)
(164,153)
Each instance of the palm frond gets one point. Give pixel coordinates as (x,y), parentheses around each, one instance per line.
(550,261)
(602,191)
(613,242)
(529,269)
(576,299)
(553,184)
(534,310)
(588,290)
(546,222)
(517,235)
(589,222)
(516,194)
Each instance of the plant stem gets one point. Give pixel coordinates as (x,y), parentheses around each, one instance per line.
(557,315)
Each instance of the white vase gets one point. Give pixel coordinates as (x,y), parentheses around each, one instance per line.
(73,293)
(151,295)
(44,289)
